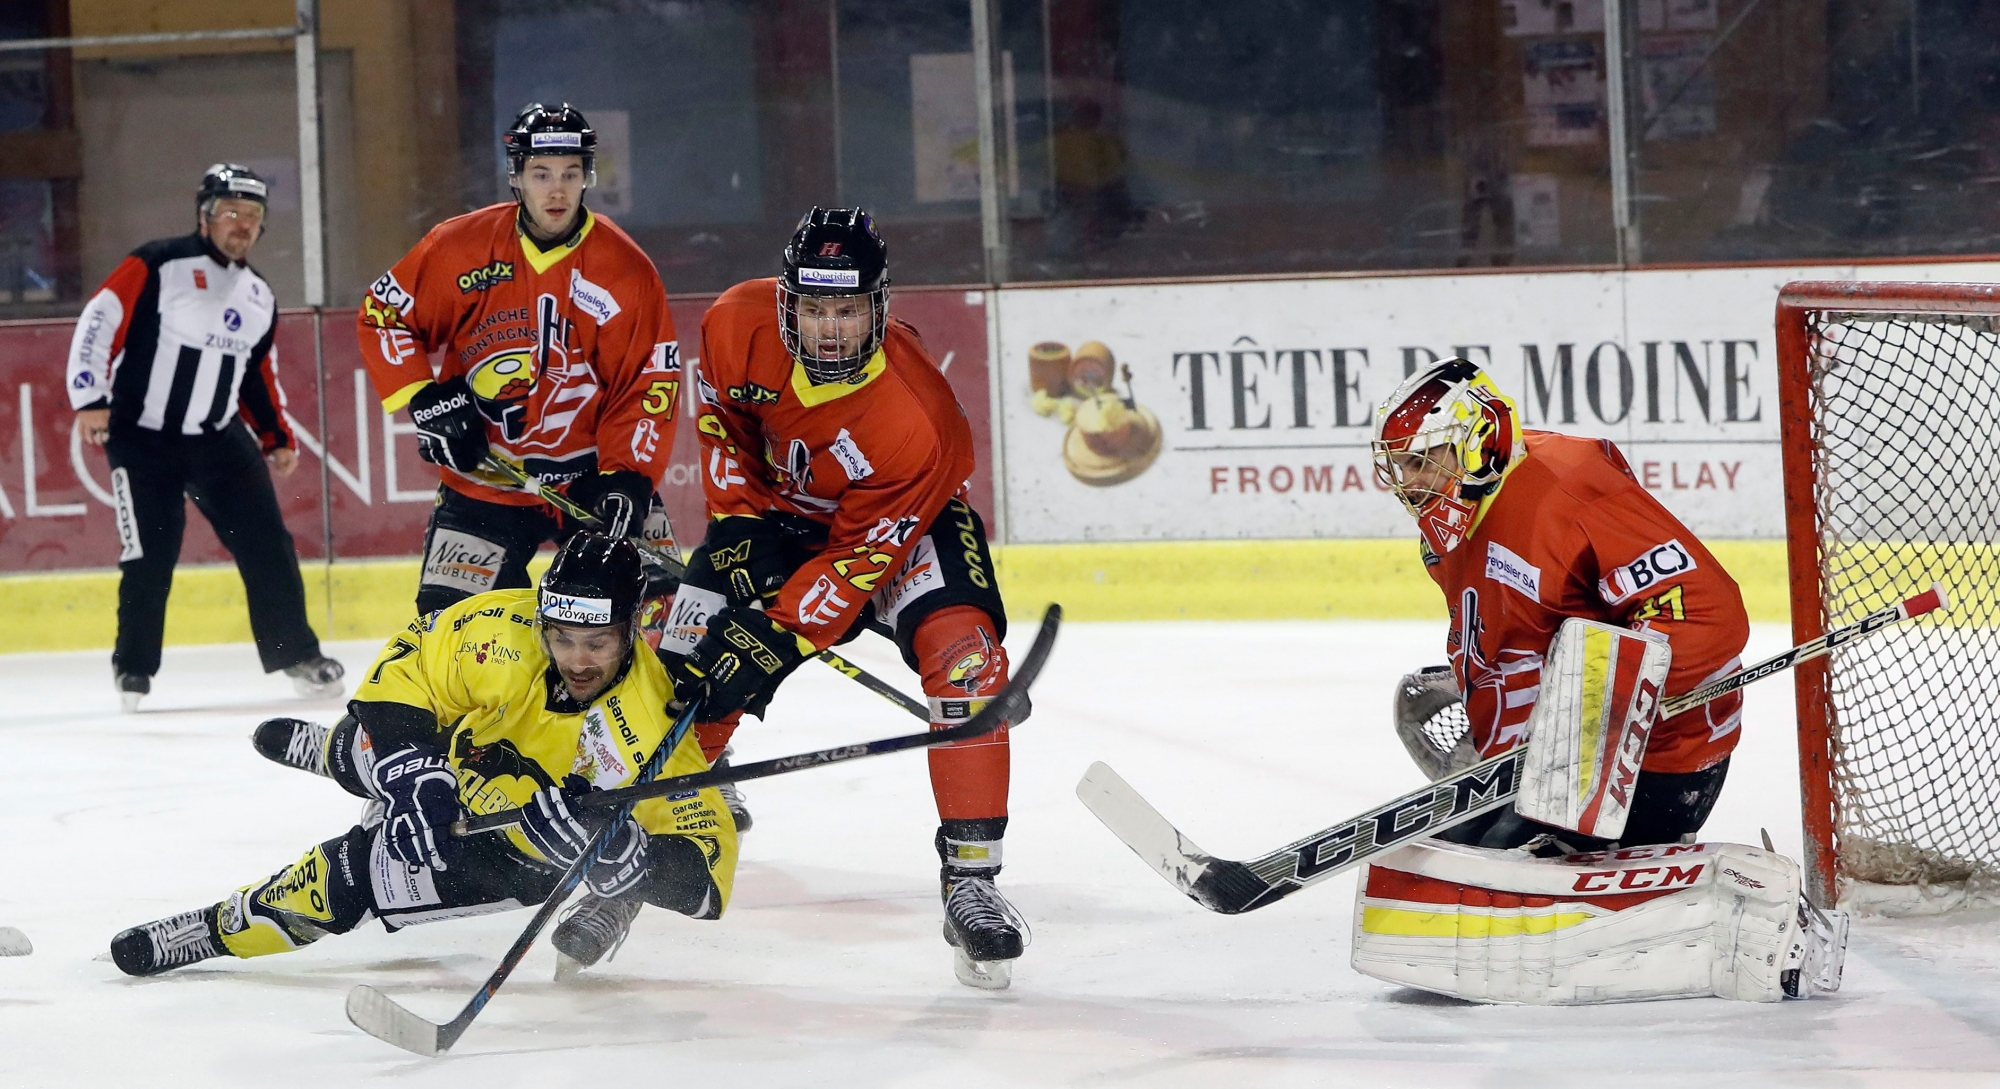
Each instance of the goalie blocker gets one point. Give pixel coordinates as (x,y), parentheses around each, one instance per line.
(1674,921)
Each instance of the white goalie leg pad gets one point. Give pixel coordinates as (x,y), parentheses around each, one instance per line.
(1678,921)
(1600,695)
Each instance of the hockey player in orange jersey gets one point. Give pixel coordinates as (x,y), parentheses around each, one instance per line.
(835,460)
(535,331)
(1522,530)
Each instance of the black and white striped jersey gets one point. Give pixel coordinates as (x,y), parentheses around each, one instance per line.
(170,339)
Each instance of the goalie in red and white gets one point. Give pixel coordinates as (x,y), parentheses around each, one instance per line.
(1579,607)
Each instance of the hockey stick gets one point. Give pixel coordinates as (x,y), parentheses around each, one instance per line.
(667,562)
(1004,707)
(13,943)
(382,1017)
(1232,887)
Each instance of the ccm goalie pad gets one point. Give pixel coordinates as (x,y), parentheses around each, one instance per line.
(1600,696)
(1678,921)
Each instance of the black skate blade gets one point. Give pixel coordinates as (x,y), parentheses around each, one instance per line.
(379,1016)
(13,943)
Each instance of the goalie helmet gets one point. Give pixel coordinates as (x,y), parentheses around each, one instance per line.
(1443,440)
(550,130)
(834,254)
(595,582)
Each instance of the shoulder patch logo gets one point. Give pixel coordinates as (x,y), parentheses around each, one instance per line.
(387,291)
(852,461)
(200,280)
(1655,565)
(479,279)
(1510,570)
(592,299)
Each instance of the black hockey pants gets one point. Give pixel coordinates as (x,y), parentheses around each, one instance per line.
(473,546)
(1665,807)
(224,474)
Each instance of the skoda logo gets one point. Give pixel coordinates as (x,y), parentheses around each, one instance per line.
(232,319)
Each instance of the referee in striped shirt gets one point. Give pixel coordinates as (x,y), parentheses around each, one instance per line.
(171,370)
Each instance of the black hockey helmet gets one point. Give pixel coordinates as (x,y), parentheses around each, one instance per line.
(550,130)
(834,253)
(231,180)
(595,582)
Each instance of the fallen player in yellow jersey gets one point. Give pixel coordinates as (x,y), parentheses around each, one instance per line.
(514,698)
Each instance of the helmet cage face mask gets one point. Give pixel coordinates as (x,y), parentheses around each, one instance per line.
(1442,443)
(834,254)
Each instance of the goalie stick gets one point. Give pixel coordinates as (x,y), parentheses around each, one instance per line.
(13,943)
(380,1016)
(663,560)
(383,1018)
(1003,707)
(1231,887)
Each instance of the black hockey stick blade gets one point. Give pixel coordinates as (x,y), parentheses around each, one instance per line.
(13,943)
(1004,707)
(1233,887)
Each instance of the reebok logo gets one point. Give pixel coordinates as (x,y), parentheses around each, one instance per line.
(454,403)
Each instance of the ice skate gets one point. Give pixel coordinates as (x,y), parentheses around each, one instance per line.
(732,797)
(983,929)
(293,742)
(173,942)
(317,678)
(592,930)
(131,686)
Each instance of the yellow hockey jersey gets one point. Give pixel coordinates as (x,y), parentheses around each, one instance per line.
(509,728)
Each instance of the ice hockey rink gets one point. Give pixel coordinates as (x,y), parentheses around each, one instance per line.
(828,968)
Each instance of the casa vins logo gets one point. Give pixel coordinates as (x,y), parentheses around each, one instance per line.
(479,279)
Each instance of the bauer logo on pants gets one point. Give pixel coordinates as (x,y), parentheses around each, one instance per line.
(462,561)
(129,546)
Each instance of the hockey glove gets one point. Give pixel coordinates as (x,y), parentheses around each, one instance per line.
(450,430)
(737,665)
(421,792)
(620,498)
(562,832)
(745,556)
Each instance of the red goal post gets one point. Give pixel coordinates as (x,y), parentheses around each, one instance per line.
(1889,396)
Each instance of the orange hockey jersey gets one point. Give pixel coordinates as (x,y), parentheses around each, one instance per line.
(874,460)
(1571,533)
(570,352)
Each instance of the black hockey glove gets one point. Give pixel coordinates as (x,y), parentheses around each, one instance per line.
(737,665)
(562,834)
(450,430)
(620,498)
(744,558)
(421,791)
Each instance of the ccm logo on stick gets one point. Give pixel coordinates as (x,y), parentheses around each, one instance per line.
(1638,880)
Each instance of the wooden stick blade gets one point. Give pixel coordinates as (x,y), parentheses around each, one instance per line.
(379,1016)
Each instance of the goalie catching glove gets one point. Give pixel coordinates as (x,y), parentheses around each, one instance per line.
(738,664)
(562,836)
(1430,721)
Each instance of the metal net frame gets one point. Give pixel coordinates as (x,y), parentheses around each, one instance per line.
(1891,417)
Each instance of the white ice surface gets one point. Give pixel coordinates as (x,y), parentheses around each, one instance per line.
(829,969)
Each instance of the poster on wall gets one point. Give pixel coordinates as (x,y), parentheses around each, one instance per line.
(612,194)
(1244,410)
(1562,89)
(1679,85)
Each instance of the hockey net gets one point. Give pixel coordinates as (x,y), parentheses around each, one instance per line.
(1891,419)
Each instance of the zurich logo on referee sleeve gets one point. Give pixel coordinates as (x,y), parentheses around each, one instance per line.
(232,319)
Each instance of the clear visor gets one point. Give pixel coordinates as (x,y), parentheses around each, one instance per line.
(1419,468)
